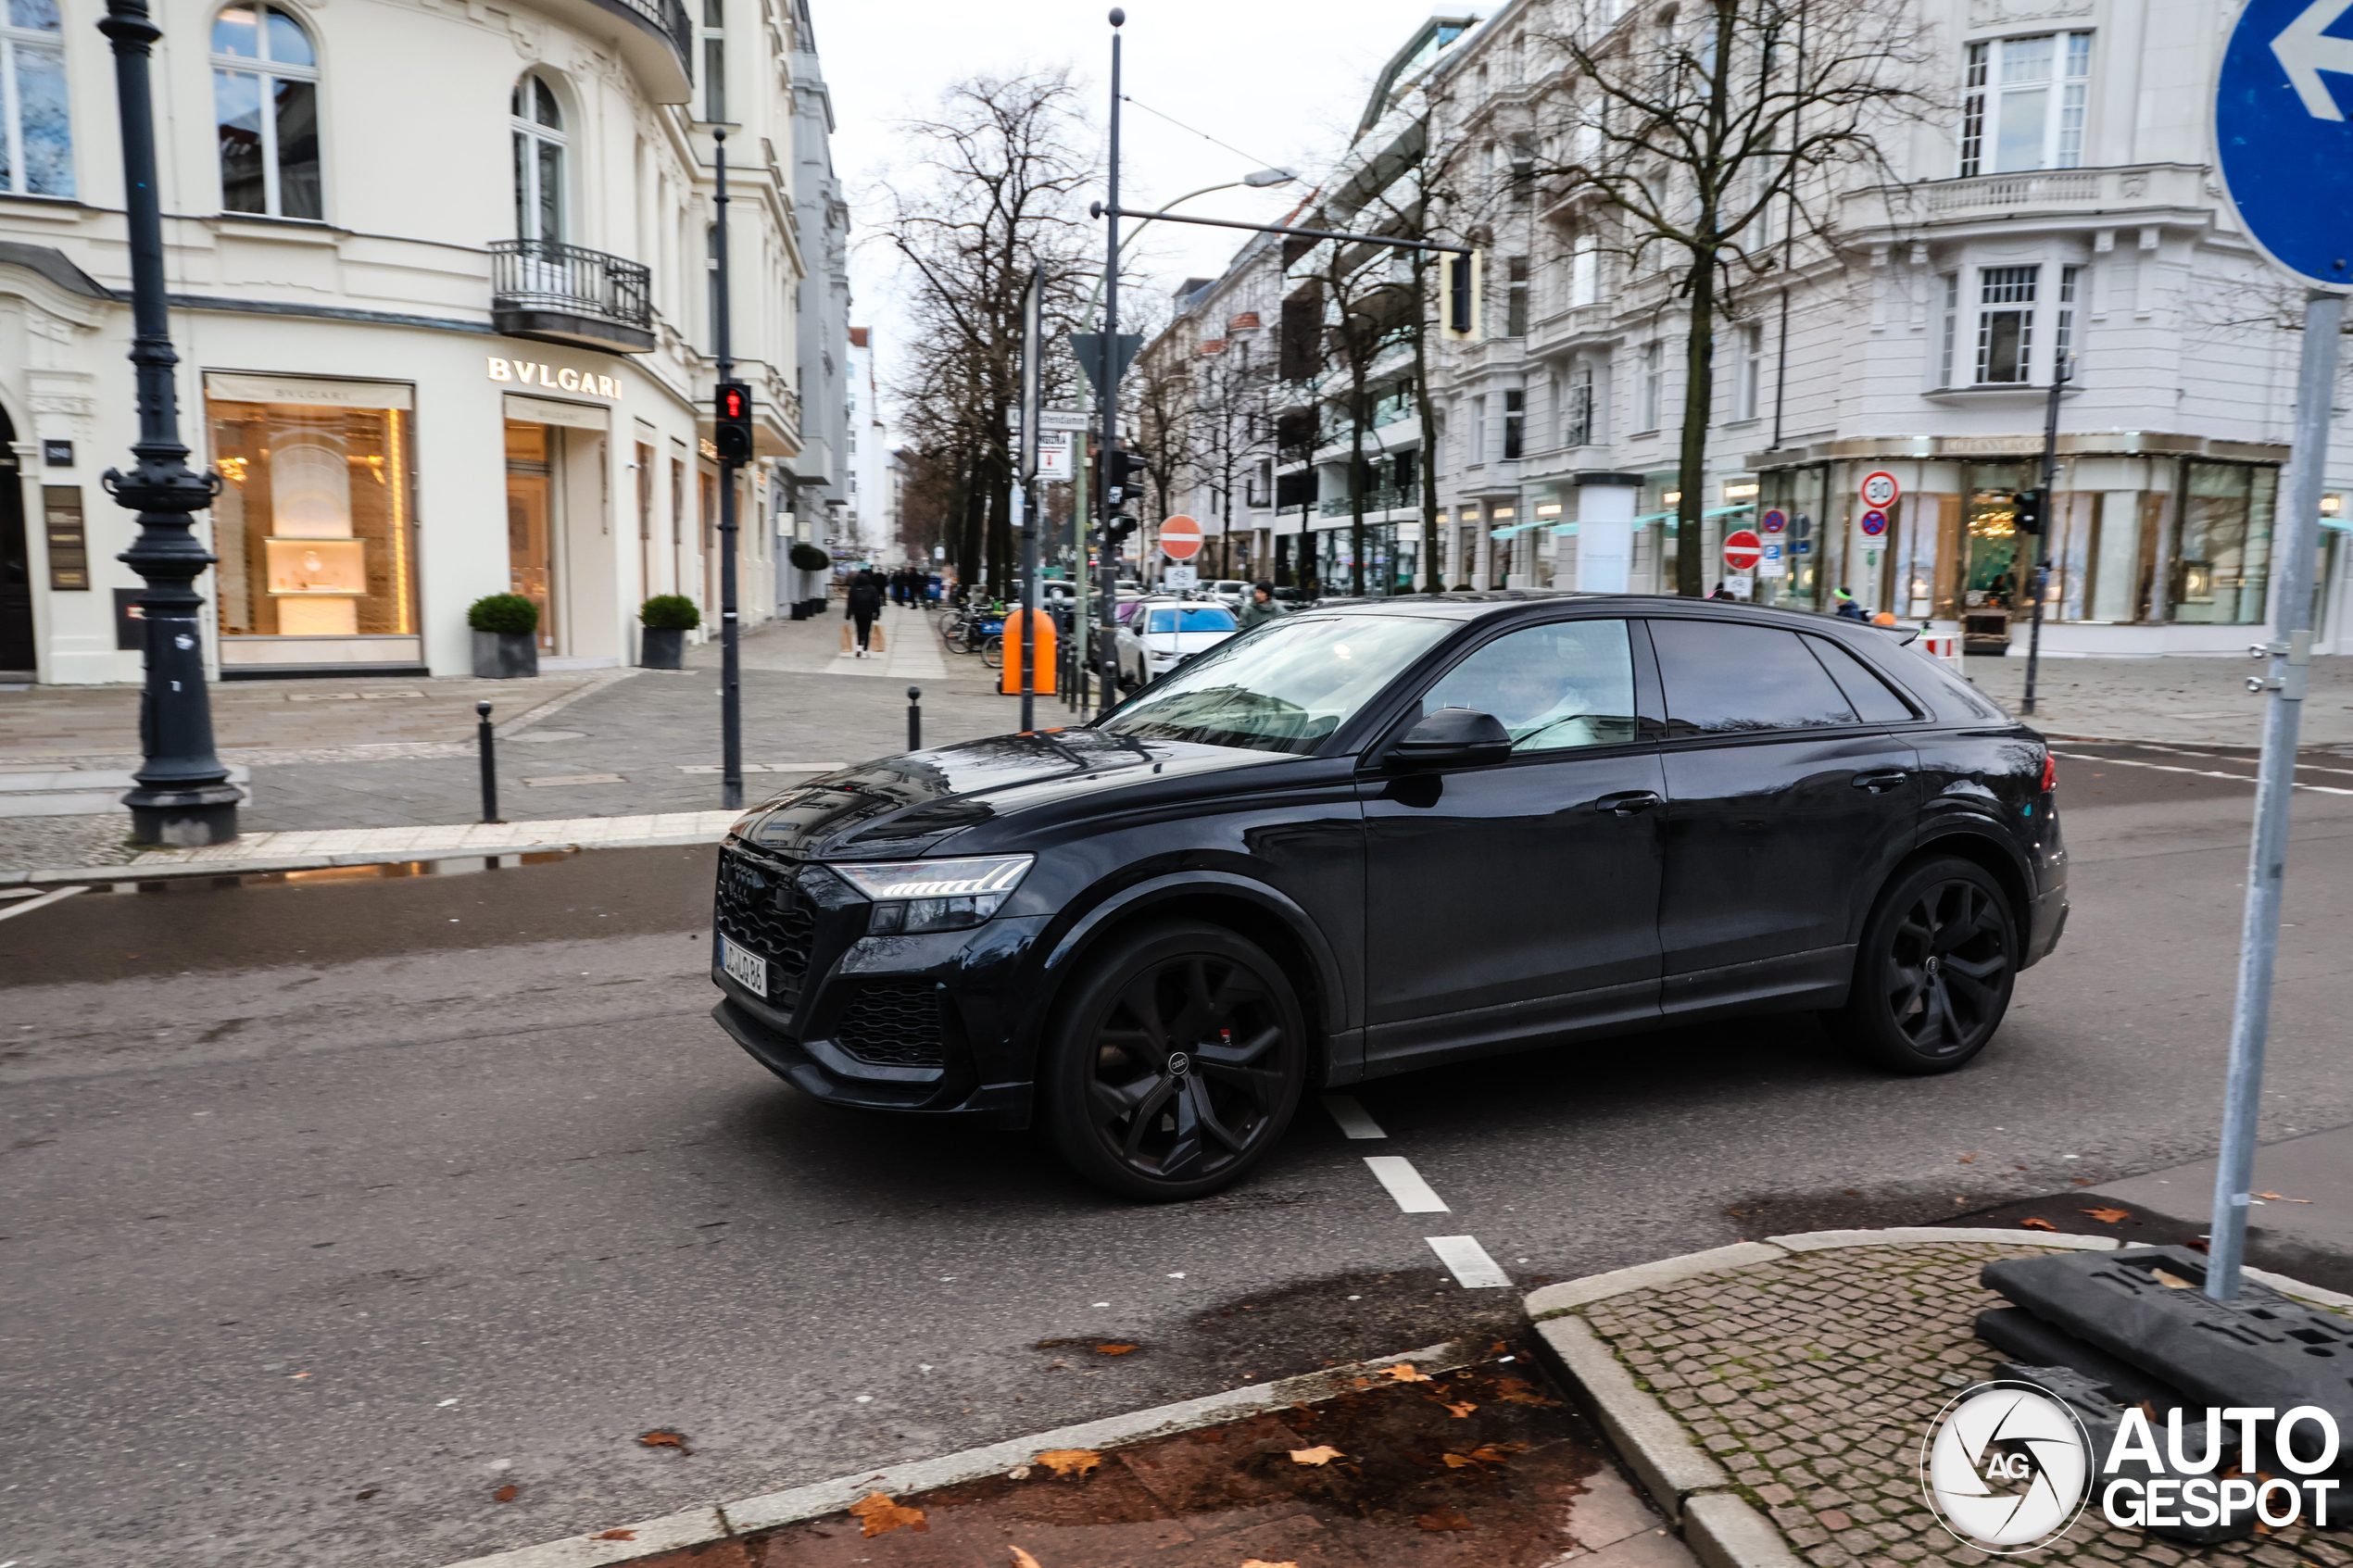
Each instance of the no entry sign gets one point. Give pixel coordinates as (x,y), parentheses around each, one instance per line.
(1181,538)
(1741,548)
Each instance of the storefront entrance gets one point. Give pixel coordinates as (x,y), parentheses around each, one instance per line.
(1989,585)
(15,564)
(532,454)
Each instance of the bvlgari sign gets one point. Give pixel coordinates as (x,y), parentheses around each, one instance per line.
(562,379)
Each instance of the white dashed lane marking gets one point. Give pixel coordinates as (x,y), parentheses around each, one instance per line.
(1354,1120)
(1473,1268)
(1414,1195)
(2201,772)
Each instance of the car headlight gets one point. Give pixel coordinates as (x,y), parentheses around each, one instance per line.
(919,896)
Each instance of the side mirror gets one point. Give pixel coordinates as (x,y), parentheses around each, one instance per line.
(1454,737)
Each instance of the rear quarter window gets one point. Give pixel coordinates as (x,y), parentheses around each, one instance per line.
(1874,700)
(1722,678)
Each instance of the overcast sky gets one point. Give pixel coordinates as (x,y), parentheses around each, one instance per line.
(1280,82)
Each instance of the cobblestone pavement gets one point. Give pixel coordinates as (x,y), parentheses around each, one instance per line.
(1813,1380)
(329,754)
(2187,701)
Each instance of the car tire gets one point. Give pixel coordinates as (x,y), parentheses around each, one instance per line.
(1173,1062)
(1935,970)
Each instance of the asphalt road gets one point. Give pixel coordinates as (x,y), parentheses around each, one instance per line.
(331,1207)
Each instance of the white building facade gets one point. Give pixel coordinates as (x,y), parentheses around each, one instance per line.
(871,519)
(443,286)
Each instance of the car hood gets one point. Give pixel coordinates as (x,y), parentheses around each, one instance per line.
(909,804)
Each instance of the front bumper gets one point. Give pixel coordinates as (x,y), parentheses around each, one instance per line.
(995,1105)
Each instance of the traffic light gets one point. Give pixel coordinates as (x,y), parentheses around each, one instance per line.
(2029,507)
(1116,530)
(1460,281)
(1118,467)
(731,422)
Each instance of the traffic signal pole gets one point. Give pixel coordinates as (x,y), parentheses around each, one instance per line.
(1109,384)
(2061,374)
(731,715)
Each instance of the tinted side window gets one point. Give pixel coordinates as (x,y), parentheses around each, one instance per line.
(1726,679)
(1569,683)
(1869,695)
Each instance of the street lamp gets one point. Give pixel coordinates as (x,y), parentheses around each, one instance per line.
(182,794)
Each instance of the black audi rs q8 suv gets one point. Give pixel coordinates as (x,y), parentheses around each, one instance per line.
(1364,839)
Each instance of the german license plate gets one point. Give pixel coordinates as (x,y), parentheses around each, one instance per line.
(748,969)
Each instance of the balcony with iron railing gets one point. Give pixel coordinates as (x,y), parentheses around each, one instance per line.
(1381,499)
(555,293)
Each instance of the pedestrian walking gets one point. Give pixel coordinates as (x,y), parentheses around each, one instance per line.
(861,604)
(1259,608)
(1723,590)
(1848,610)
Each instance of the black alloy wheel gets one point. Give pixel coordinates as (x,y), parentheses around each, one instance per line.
(1934,975)
(1175,1063)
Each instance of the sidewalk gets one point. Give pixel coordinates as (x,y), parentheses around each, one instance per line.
(331,756)
(2201,701)
(1773,1397)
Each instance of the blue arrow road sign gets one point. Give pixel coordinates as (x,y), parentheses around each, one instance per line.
(2281,132)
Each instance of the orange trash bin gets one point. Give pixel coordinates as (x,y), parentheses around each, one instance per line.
(1042,676)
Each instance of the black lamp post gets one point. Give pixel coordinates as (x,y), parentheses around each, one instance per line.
(183,794)
(730,726)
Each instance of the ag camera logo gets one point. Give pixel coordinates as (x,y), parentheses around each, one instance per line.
(2003,1466)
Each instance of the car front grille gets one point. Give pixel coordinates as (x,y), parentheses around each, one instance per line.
(894,1023)
(760,909)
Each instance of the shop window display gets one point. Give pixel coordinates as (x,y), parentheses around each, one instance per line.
(2224,554)
(313,523)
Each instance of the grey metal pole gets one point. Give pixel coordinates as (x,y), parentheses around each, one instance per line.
(484,739)
(731,710)
(181,794)
(914,718)
(2266,861)
(2041,574)
(1110,445)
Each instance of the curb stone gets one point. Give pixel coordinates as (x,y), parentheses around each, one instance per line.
(1686,1485)
(708,1522)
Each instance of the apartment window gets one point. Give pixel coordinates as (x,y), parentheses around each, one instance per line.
(714,60)
(264,98)
(36,143)
(1951,325)
(1515,423)
(1750,375)
(1585,270)
(1516,62)
(1653,367)
(1516,297)
(2063,335)
(538,123)
(1580,407)
(2005,323)
(1478,429)
(2022,103)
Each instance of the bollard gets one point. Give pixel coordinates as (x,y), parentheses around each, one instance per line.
(489,765)
(914,718)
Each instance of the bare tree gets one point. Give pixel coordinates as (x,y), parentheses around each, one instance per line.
(1234,410)
(1693,131)
(1356,304)
(995,194)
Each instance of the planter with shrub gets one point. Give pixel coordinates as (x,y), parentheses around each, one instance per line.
(667,619)
(505,629)
(810,560)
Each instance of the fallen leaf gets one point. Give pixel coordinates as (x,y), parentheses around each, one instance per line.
(2172,1281)
(1456,1462)
(1323,1453)
(1443,1519)
(659,1438)
(1513,1391)
(2035,1225)
(882,1515)
(1113,1349)
(1021,1559)
(1070,1461)
(615,1536)
(2281,1198)
(2109,1216)
(507,1493)
(1458,1412)
(2082,1182)
(1405,1371)
(1967,1158)
(1256,1562)
(366,1495)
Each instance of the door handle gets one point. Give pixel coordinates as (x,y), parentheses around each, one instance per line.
(1626,804)
(1880,780)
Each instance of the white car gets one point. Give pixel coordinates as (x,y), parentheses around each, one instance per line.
(1230,592)
(1162,634)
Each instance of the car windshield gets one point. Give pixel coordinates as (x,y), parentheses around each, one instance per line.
(1191,617)
(1283,688)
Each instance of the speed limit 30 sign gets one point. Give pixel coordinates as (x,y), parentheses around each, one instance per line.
(1880,490)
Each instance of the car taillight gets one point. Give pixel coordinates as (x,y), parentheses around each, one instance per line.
(2050,772)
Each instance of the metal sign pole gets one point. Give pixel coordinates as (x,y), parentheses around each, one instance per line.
(2042,573)
(1033,309)
(2267,863)
(1110,380)
(731,712)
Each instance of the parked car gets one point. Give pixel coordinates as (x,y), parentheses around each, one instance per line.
(1230,591)
(1363,840)
(1163,634)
